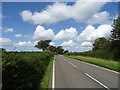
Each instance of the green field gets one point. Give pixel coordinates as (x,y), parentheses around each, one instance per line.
(110,64)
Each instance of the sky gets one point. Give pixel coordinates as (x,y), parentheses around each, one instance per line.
(73,25)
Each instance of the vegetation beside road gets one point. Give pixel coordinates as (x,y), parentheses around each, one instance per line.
(110,64)
(24,70)
(45,82)
(105,48)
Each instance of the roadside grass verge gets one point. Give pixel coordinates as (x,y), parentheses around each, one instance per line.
(109,64)
(45,82)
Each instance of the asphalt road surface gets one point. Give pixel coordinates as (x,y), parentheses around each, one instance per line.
(71,73)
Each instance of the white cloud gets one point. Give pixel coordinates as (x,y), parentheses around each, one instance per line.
(42,34)
(26,15)
(6,41)
(90,33)
(52,43)
(86,44)
(35,42)
(29,43)
(18,35)
(115,17)
(80,11)
(9,42)
(69,43)
(9,30)
(99,18)
(67,34)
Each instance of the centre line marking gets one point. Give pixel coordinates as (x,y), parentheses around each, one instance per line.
(72,64)
(97,81)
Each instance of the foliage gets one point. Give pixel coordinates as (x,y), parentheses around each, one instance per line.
(116,29)
(100,43)
(43,44)
(24,70)
(45,80)
(52,49)
(103,48)
(115,38)
(59,50)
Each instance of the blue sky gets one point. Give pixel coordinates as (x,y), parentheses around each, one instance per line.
(74,26)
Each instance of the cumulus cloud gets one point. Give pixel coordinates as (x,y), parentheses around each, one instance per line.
(80,11)
(9,30)
(26,15)
(86,44)
(99,18)
(29,43)
(67,34)
(90,33)
(42,34)
(9,42)
(6,41)
(18,35)
(52,43)
(69,43)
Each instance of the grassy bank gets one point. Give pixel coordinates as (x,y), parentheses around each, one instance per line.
(113,65)
(45,82)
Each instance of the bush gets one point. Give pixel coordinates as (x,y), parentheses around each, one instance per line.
(24,69)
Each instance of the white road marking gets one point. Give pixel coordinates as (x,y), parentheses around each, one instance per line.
(53,75)
(97,81)
(72,64)
(98,66)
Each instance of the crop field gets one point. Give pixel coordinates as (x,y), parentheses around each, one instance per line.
(24,70)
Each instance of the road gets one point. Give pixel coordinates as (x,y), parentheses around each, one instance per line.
(71,73)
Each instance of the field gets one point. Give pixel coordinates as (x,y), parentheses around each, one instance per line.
(110,64)
(26,70)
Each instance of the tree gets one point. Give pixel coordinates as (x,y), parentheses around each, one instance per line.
(52,49)
(100,43)
(2,50)
(115,38)
(66,51)
(59,50)
(116,30)
(43,44)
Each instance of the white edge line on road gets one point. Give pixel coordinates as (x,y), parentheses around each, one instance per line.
(97,81)
(53,75)
(98,67)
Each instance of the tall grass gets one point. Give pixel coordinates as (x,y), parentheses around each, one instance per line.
(113,65)
(45,82)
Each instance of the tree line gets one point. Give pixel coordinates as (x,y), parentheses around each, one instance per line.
(106,48)
(45,46)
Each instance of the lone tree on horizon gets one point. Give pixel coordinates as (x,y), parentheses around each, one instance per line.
(43,44)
